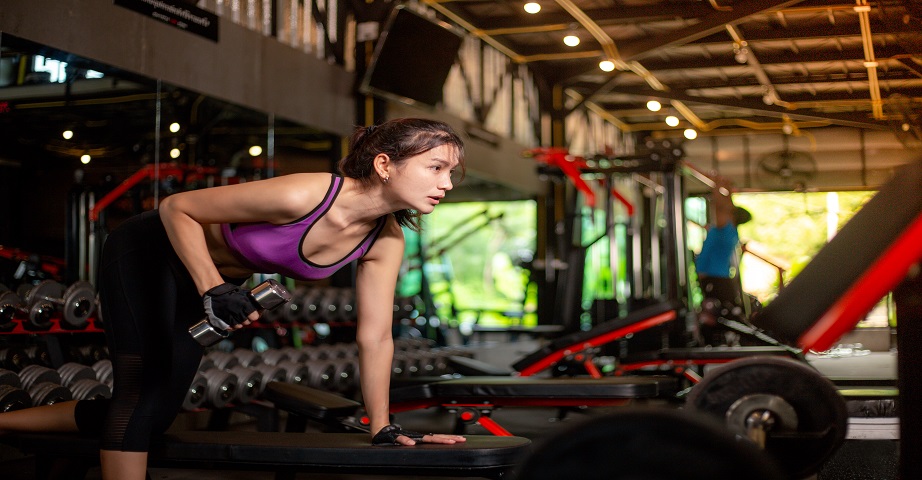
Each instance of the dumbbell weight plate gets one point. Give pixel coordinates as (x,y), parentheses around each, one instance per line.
(72,371)
(89,389)
(48,393)
(13,398)
(799,443)
(222,387)
(197,393)
(10,304)
(41,310)
(249,383)
(9,377)
(79,304)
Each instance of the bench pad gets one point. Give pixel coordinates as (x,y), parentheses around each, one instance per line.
(301,452)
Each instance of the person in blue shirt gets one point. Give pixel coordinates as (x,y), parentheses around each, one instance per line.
(720,291)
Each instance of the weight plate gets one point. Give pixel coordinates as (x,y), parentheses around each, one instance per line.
(821,414)
(79,304)
(40,300)
(10,304)
(649,444)
(13,398)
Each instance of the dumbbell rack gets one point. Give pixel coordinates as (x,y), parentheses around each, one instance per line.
(58,325)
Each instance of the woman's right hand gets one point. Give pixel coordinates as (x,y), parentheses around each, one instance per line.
(229,307)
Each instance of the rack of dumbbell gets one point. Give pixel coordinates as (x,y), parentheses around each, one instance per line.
(29,378)
(49,307)
(38,369)
(234,381)
(41,369)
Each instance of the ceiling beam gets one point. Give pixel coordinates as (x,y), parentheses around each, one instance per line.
(602,16)
(911,66)
(709,24)
(759,107)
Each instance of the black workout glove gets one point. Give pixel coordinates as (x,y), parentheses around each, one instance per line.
(388,435)
(227,306)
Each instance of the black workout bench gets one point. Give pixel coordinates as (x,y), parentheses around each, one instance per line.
(284,453)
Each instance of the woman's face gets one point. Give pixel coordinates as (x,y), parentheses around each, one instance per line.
(421,181)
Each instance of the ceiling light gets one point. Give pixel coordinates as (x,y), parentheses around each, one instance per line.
(174,153)
(255,150)
(787,128)
(690,133)
(607,65)
(174,127)
(571,40)
(85,159)
(905,127)
(67,134)
(654,106)
(532,7)
(672,121)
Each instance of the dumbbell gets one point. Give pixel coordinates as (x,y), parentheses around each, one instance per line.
(9,377)
(221,360)
(13,398)
(221,387)
(44,385)
(249,383)
(296,373)
(270,373)
(197,393)
(76,303)
(14,358)
(82,381)
(89,389)
(38,354)
(72,371)
(103,369)
(247,358)
(48,298)
(10,306)
(267,295)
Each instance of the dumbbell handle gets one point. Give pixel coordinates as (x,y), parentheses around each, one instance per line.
(268,295)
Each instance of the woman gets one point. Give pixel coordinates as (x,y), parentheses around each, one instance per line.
(162,270)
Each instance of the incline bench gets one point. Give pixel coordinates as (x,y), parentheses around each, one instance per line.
(287,454)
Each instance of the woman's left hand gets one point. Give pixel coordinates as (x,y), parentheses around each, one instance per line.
(437,438)
(394,435)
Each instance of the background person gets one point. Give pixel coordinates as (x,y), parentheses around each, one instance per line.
(713,264)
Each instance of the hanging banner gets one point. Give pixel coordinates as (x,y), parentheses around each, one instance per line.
(178,14)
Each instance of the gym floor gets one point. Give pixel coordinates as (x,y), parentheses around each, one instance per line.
(855,460)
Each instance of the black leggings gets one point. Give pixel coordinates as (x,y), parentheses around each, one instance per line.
(148,301)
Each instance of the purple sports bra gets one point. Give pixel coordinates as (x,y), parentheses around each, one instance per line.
(269,248)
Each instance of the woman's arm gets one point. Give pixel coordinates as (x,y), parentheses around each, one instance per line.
(376,281)
(276,200)
(375,284)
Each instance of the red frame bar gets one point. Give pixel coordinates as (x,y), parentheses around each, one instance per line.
(143,174)
(555,357)
(883,276)
(493,427)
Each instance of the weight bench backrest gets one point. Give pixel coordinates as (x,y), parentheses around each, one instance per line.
(866,259)
(601,334)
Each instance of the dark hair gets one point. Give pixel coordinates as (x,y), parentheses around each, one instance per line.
(741,216)
(399,139)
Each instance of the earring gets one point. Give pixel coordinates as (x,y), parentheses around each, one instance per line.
(386,178)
